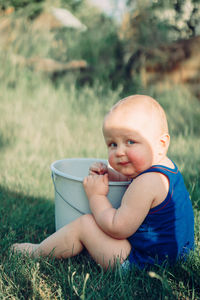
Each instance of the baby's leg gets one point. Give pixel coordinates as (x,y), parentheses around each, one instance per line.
(81,233)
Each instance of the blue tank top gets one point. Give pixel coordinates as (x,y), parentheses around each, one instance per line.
(167,232)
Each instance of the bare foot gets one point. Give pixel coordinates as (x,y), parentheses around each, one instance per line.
(26,248)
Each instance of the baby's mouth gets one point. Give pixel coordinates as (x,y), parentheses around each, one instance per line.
(123,163)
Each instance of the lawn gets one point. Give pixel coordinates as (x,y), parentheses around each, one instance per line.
(41,123)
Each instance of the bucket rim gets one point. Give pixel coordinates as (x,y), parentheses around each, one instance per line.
(80,179)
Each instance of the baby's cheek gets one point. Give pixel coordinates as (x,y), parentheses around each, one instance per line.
(137,159)
(111,159)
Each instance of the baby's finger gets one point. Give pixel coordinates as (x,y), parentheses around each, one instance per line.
(96,168)
(102,168)
(105,178)
(92,172)
(85,181)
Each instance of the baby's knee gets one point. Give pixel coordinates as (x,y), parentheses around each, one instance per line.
(87,220)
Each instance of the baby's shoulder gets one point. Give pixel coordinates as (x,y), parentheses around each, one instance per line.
(150,178)
(157,184)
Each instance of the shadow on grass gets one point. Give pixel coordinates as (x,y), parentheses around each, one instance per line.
(24,218)
(32,219)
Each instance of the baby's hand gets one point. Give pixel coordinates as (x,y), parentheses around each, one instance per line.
(98,168)
(96,185)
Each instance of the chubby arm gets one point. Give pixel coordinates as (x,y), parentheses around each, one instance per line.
(122,222)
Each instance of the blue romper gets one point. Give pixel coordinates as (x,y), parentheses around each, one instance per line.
(168,229)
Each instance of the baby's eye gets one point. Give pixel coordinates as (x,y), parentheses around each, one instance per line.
(112,145)
(130,142)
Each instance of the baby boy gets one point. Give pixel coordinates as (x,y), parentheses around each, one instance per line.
(155,221)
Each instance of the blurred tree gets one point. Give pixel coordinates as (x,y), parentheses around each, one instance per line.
(160,35)
(157,21)
(99,45)
(17,3)
(72,4)
(32,7)
(36,6)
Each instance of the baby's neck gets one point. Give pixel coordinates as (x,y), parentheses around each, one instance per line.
(165,161)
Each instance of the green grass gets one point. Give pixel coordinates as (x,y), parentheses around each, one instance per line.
(40,124)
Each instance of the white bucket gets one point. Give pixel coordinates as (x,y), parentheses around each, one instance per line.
(70,199)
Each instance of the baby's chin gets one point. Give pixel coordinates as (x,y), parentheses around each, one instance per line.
(129,176)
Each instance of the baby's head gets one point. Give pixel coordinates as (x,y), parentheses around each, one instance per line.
(142,121)
(147,109)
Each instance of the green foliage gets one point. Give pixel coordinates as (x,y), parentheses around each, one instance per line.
(32,7)
(99,45)
(164,21)
(102,49)
(74,5)
(17,3)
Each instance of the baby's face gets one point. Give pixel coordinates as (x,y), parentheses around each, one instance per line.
(131,137)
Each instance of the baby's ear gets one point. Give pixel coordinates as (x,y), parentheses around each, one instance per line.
(164,143)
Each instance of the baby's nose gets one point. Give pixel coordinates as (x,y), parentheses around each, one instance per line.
(120,150)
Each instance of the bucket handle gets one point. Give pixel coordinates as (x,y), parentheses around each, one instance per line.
(81,212)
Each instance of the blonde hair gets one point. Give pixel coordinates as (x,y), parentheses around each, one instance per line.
(149,104)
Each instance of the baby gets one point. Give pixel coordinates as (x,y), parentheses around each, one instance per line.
(155,221)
